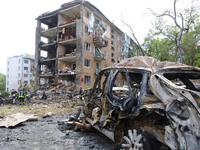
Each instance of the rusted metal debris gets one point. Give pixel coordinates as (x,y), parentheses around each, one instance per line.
(15,119)
(157,109)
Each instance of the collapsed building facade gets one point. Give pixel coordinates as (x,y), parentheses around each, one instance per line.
(80,41)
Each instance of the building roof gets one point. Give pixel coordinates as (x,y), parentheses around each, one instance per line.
(71,4)
(27,56)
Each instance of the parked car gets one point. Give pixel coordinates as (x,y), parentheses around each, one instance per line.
(157,108)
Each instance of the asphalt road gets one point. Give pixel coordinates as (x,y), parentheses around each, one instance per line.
(45,134)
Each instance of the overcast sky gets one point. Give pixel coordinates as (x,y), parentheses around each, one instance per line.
(18,22)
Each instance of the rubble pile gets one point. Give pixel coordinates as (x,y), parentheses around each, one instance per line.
(58,92)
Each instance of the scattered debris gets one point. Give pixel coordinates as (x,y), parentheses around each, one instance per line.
(49,114)
(60,91)
(15,119)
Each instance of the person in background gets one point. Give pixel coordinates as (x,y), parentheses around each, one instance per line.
(25,93)
(21,96)
(80,93)
(14,95)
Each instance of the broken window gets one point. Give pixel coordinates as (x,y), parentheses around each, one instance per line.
(125,97)
(113,60)
(185,79)
(87,63)
(87,80)
(74,67)
(86,30)
(88,47)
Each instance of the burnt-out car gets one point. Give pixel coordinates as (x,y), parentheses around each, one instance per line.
(157,106)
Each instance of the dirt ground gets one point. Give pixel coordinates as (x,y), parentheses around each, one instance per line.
(48,134)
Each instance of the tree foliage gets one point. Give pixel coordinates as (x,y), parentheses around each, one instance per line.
(161,41)
(2,82)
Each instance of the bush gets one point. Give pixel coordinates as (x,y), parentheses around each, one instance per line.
(4,93)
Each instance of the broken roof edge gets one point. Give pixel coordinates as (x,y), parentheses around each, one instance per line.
(95,8)
(55,12)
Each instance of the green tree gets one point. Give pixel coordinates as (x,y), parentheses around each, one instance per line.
(161,41)
(191,46)
(2,82)
(161,49)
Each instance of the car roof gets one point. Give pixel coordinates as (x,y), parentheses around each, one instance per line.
(150,64)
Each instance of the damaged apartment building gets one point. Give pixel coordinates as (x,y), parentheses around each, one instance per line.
(78,41)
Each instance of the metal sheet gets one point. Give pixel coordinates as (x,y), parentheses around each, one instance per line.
(14,119)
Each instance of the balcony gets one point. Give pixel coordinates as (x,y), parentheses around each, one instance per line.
(48,46)
(71,57)
(46,74)
(99,41)
(49,33)
(67,34)
(99,56)
(66,71)
(44,59)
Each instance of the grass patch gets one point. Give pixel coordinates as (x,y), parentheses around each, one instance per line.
(38,109)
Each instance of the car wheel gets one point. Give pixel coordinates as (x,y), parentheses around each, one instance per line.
(133,141)
(140,140)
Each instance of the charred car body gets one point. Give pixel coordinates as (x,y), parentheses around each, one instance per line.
(151,112)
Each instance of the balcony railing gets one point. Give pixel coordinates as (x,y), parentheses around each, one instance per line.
(99,41)
(99,56)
